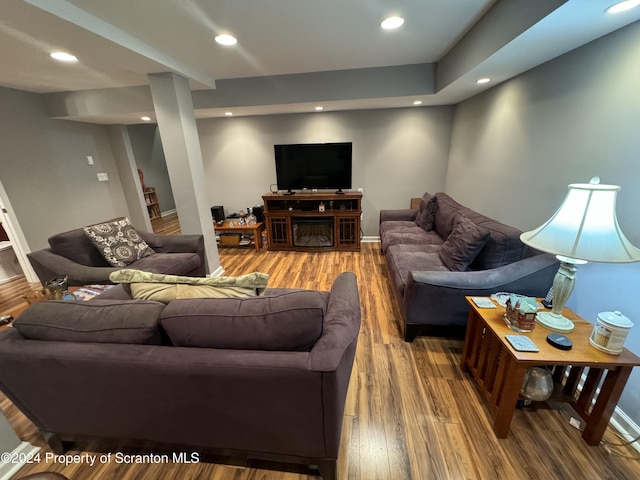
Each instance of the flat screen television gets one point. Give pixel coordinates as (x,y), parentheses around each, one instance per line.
(313,165)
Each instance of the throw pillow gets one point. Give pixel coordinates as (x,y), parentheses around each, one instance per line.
(463,244)
(118,242)
(427,212)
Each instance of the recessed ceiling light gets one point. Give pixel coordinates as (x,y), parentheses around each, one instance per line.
(145,118)
(623,6)
(229,114)
(392,22)
(63,57)
(418,102)
(225,39)
(319,108)
(483,80)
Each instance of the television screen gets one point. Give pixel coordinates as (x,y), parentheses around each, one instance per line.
(313,165)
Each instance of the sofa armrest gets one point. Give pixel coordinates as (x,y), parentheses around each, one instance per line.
(408,215)
(437,298)
(47,265)
(333,355)
(488,279)
(341,325)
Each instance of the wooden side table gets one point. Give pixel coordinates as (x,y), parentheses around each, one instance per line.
(232,226)
(498,370)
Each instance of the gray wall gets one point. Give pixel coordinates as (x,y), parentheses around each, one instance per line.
(44,170)
(517,147)
(147,149)
(397,154)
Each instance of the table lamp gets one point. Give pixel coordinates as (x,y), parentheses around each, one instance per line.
(584,229)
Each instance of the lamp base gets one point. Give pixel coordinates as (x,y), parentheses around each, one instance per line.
(554,323)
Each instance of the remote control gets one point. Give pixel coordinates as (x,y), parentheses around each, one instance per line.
(522,343)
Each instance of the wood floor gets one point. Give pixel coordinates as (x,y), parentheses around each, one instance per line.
(410,414)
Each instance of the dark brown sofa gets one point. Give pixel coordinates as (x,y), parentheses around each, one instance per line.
(263,377)
(72,254)
(430,293)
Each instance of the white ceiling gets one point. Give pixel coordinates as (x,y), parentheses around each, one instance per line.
(119,42)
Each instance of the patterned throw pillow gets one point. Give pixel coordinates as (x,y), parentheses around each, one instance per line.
(118,242)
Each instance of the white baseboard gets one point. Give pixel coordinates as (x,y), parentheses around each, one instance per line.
(625,426)
(168,212)
(23,451)
(369,239)
(217,272)
(619,420)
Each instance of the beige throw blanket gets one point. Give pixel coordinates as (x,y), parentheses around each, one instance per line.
(165,288)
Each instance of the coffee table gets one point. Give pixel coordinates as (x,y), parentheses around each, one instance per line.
(233,226)
(498,370)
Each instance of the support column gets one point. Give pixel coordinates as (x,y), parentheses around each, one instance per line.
(177,124)
(128,171)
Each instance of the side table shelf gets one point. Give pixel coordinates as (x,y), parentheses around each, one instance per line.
(235,233)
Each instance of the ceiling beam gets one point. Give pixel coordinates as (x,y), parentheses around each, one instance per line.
(71,13)
(503,22)
(337,85)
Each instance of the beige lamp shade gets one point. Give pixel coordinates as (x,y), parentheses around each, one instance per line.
(585,227)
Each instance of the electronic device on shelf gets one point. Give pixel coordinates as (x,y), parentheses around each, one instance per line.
(217,212)
(324,166)
(258,211)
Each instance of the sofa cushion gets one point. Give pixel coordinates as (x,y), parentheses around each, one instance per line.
(177,263)
(446,213)
(427,212)
(503,245)
(118,242)
(95,321)
(290,321)
(403,259)
(76,246)
(463,244)
(403,232)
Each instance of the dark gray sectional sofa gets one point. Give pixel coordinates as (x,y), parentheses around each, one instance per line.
(74,255)
(442,251)
(261,377)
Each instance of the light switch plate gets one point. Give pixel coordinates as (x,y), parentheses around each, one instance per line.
(103,177)
(89,159)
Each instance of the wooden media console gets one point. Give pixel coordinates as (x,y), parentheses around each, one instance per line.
(313,221)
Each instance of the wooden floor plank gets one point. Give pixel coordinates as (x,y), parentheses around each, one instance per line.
(410,414)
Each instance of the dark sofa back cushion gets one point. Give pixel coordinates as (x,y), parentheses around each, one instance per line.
(503,245)
(446,214)
(286,321)
(76,246)
(95,321)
